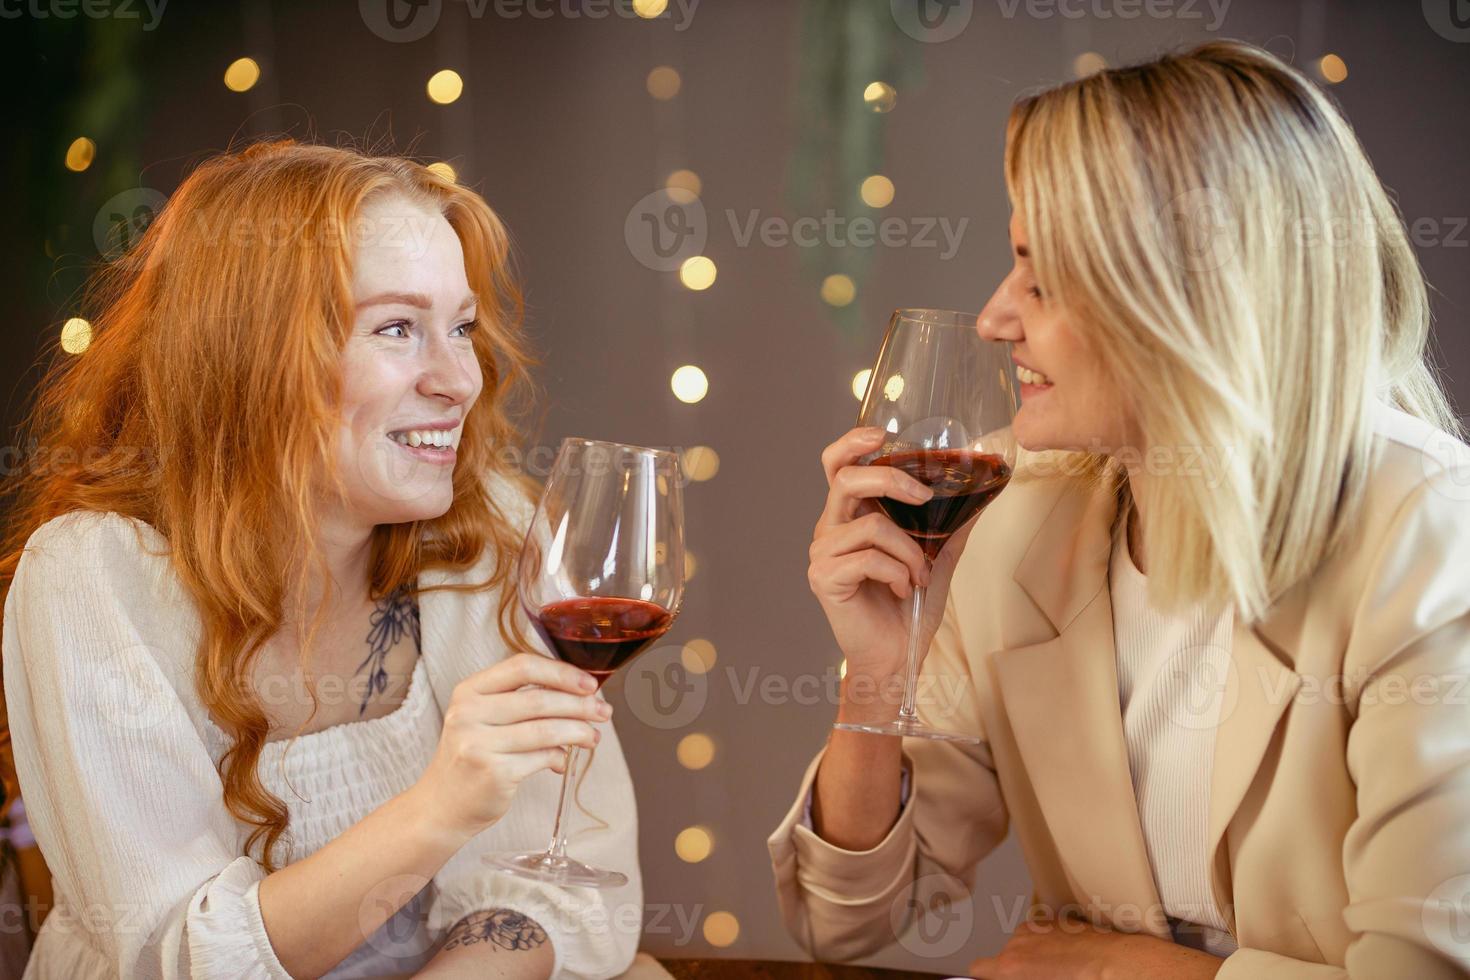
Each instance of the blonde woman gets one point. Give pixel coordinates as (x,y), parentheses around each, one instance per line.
(269,690)
(1214,636)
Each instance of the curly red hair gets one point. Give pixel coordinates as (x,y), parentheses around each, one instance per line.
(232,309)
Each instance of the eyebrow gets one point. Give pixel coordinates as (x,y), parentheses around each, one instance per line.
(418,300)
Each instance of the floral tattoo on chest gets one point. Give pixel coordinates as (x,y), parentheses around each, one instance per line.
(394,617)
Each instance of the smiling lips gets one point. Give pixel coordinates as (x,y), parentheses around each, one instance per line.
(1031,377)
(427,438)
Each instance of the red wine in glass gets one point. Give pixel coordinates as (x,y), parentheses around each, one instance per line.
(943,394)
(599,635)
(963,481)
(601,577)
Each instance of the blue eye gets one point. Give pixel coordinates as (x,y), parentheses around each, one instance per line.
(395,325)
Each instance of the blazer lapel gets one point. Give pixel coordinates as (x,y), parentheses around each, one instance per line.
(1258,689)
(1061,697)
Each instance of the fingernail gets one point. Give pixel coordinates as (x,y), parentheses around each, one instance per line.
(604,710)
(872,433)
(588,684)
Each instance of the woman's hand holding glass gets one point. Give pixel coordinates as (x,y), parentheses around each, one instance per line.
(863,571)
(501,725)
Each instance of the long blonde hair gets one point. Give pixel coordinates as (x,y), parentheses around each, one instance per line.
(1213,223)
(202,334)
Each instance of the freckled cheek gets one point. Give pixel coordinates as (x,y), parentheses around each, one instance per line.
(371,399)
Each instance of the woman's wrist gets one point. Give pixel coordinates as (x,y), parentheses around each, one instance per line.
(426,816)
(869,698)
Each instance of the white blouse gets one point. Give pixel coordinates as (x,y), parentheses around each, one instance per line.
(1171,674)
(117,763)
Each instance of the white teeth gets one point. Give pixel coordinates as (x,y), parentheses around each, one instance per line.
(1031,377)
(438,438)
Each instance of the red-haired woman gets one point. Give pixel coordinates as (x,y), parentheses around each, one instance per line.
(269,694)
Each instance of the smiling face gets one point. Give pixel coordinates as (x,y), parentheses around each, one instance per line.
(1068,400)
(409,371)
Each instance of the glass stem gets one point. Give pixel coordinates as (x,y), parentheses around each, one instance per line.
(907,713)
(557,849)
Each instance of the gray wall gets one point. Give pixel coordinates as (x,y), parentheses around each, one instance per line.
(558,134)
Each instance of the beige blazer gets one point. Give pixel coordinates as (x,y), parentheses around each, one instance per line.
(1339,812)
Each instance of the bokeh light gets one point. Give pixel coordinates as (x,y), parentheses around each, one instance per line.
(76,335)
(445,86)
(880,96)
(663,83)
(698,656)
(721,929)
(838,290)
(1088,63)
(877,191)
(683,186)
(80,154)
(695,751)
(693,844)
(689,384)
(700,463)
(242,75)
(698,272)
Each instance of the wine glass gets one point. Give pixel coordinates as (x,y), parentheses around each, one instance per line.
(945,397)
(601,575)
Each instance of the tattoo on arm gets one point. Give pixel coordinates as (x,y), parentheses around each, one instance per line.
(502,927)
(395,615)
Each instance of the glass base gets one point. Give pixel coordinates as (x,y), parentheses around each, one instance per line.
(909,729)
(541,866)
